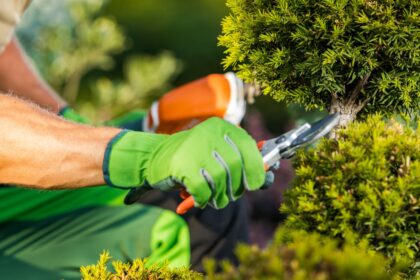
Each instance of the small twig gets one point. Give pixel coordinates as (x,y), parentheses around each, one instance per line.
(361,105)
(358,89)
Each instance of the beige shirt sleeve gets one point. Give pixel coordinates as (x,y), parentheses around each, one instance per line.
(10,14)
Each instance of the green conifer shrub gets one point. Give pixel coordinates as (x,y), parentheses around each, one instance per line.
(345,56)
(137,270)
(365,185)
(293,254)
(300,255)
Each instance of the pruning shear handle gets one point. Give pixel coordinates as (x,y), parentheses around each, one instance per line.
(136,193)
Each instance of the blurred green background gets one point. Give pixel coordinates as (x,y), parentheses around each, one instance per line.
(189,28)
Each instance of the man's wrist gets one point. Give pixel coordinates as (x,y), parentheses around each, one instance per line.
(126,157)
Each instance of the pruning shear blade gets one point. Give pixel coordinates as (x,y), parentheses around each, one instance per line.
(285,145)
(318,129)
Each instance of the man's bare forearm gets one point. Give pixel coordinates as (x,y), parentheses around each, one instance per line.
(38,149)
(18,77)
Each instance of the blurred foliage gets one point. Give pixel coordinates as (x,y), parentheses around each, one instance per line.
(365,185)
(188,28)
(145,79)
(298,255)
(338,55)
(137,270)
(65,52)
(292,255)
(66,48)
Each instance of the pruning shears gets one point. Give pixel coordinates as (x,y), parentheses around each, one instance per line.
(285,146)
(272,151)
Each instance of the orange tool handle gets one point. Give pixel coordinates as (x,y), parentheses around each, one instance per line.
(188,202)
(185,205)
(260,146)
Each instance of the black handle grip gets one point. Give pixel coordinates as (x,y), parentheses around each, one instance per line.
(136,193)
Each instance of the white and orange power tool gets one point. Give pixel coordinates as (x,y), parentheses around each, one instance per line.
(216,95)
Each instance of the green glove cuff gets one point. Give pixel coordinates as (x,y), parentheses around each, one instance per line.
(126,157)
(71,115)
(132,120)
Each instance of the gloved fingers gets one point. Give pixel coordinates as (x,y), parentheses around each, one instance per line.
(229,159)
(219,198)
(224,174)
(244,177)
(197,186)
(253,167)
(166,184)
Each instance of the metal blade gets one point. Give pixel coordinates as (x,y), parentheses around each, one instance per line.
(273,148)
(318,129)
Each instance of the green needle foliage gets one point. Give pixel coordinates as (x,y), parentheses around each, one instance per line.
(363,186)
(293,255)
(345,56)
(138,270)
(296,255)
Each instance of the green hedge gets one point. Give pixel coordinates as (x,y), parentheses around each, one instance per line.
(292,255)
(302,255)
(365,185)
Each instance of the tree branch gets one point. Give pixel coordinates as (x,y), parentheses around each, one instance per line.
(359,86)
(361,105)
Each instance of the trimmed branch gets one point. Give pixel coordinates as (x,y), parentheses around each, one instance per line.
(359,86)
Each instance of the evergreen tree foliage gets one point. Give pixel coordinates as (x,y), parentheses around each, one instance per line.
(363,186)
(301,255)
(345,56)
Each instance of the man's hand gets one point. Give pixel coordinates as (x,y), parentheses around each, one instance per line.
(215,161)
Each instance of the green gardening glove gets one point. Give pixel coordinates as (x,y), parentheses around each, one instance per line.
(132,120)
(215,161)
